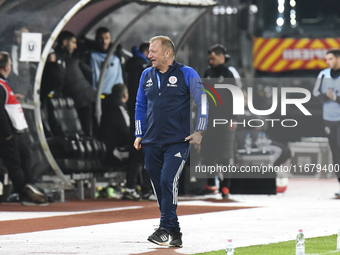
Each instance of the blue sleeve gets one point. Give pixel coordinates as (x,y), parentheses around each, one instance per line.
(194,83)
(141,108)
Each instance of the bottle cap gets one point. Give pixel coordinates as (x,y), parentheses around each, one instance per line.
(230,240)
(300,230)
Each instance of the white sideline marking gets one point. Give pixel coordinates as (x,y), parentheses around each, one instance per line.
(5,216)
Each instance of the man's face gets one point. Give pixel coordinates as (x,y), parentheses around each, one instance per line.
(215,60)
(332,61)
(9,65)
(71,45)
(157,54)
(8,68)
(104,41)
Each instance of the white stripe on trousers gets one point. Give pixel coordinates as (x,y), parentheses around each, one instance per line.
(154,191)
(175,183)
(174,187)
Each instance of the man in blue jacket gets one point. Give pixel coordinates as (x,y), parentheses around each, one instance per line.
(162,122)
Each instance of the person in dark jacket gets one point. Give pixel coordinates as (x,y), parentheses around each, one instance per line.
(79,88)
(162,123)
(53,79)
(12,123)
(219,66)
(114,128)
(220,70)
(67,76)
(134,68)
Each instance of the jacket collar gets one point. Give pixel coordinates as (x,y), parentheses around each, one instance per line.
(171,67)
(4,78)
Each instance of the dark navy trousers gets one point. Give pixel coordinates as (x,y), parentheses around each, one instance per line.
(164,166)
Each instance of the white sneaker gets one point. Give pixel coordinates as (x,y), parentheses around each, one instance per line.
(131,195)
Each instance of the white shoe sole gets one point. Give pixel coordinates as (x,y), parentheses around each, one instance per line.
(34,194)
(159,243)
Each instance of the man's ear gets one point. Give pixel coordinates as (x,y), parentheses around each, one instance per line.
(65,42)
(168,53)
(6,68)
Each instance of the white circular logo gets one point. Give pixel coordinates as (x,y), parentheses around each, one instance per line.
(173,79)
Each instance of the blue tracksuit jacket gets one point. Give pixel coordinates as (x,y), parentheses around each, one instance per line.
(163,105)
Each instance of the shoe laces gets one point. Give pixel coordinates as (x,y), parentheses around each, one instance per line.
(159,231)
(176,235)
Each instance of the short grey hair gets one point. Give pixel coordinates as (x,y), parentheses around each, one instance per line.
(166,42)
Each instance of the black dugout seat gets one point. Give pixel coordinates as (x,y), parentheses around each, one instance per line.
(74,152)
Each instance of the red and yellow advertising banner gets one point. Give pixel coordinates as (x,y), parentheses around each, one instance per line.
(285,54)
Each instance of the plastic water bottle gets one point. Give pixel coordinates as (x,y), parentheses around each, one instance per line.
(264,142)
(247,144)
(230,248)
(300,243)
(338,241)
(259,141)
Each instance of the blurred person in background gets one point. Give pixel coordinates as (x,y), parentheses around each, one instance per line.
(134,68)
(67,76)
(114,128)
(327,89)
(12,124)
(21,78)
(220,69)
(96,57)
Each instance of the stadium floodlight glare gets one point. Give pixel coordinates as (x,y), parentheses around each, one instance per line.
(222,10)
(281,8)
(253,9)
(280,21)
(216,10)
(229,10)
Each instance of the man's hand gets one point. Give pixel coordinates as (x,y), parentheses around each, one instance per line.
(330,94)
(194,138)
(137,144)
(19,96)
